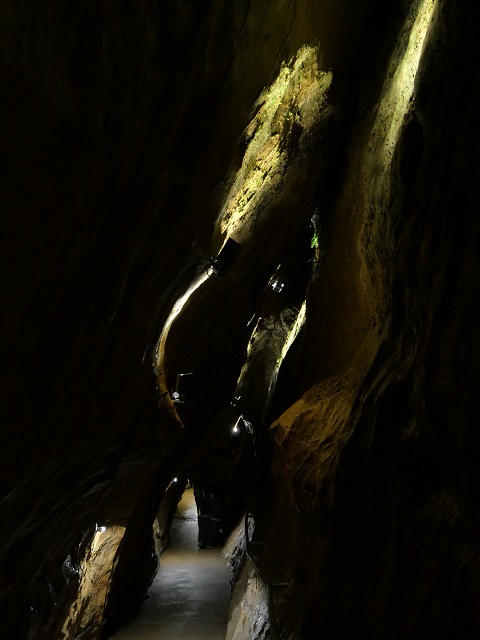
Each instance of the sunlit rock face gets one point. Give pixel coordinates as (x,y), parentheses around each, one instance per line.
(134,142)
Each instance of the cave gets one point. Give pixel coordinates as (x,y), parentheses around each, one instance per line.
(255,213)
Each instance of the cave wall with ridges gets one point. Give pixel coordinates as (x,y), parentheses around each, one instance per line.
(121,137)
(379,452)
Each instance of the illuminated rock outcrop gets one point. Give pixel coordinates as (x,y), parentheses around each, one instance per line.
(336,143)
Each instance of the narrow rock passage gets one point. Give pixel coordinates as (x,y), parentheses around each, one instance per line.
(190,595)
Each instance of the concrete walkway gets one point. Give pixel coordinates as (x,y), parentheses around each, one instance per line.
(190,595)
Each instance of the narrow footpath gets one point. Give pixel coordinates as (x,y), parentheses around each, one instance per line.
(190,595)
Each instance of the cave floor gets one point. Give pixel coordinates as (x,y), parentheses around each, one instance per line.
(190,595)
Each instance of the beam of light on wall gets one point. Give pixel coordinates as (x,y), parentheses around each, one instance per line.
(289,109)
(397,95)
(292,334)
(293,102)
(177,308)
(269,343)
(295,330)
(95,571)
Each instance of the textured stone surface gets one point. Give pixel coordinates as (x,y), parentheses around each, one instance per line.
(121,142)
(249,609)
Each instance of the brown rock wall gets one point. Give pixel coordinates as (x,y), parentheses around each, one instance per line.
(120,132)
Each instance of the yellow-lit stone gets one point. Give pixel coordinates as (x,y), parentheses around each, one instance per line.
(95,576)
(295,99)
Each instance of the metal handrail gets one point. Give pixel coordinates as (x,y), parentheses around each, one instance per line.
(271,604)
